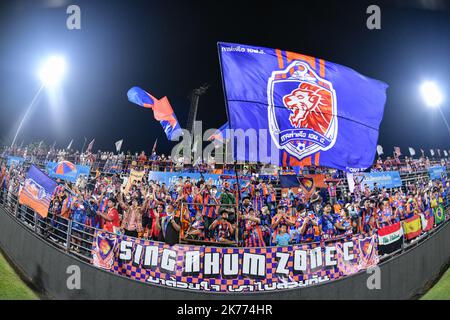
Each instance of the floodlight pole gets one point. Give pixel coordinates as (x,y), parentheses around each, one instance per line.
(26,114)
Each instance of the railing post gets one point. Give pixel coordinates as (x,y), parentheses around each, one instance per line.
(35,221)
(16,210)
(69,232)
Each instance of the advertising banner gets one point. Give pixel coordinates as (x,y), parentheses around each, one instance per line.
(387,179)
(170,178)
(14,161)
(437,172)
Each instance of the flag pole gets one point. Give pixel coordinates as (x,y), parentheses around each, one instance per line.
(82,149)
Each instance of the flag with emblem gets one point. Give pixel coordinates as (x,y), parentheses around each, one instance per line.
(439,214)
(37,191)
(304,110)
(412,227)
(390,238)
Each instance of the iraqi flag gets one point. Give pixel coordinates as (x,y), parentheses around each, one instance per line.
(390,238)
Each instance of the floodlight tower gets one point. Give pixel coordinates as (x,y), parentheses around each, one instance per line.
(433,97)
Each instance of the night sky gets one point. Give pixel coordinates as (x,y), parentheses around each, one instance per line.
(170,48)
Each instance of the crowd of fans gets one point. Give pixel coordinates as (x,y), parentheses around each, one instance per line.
(254,213)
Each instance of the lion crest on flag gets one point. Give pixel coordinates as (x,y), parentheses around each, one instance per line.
(302,110)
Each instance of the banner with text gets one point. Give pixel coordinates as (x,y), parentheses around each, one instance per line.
(217,269)
(387,179)
(437,172)
(170,178)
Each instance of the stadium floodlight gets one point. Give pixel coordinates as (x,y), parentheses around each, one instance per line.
(433,97)
(52,71)
(431,94)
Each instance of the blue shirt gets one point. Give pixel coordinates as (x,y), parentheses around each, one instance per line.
(282,239)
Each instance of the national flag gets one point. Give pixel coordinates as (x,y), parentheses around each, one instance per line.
(412,227)
(427,219)
(439,152)
(390,238)
(380,150)
(119,145)
(90,146)
(445,153)
(317,112)
(423,152)
(154,145)
(439,214)
(37,191)
(432,152)
(412,152)
(70,144)
(162,111)
(397,151)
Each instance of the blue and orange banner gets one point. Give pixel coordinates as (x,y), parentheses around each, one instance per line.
(67,171)
(219,269)
(37,191)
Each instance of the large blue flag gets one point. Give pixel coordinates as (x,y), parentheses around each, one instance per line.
(316,112)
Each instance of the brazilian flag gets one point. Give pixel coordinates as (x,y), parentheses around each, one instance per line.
(439,214)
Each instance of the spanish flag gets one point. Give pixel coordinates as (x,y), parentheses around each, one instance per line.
(412,227)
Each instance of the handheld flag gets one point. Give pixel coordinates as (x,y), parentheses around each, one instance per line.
(432,152)
(412,152)
(70,144)
(37,191)
(90,146)
(439,152)
(154,145)
(317,112)
(397,151)
(162,111)
(445,153)
(379,150)
(119,145)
